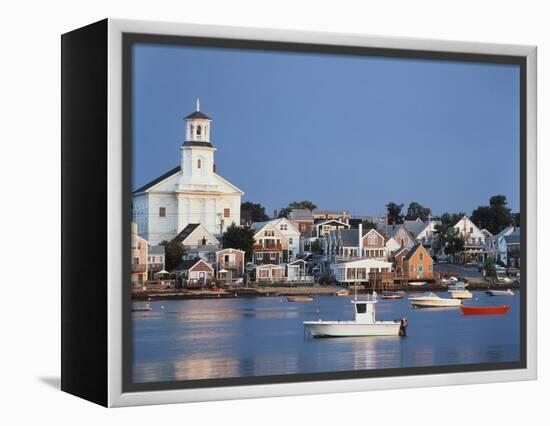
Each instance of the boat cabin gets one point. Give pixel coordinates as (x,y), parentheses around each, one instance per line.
(364,311)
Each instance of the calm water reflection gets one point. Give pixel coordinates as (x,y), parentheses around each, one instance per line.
(198,339)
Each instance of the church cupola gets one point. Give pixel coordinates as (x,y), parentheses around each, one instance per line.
(197,128)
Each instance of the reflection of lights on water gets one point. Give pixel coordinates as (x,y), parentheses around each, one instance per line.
(193,368)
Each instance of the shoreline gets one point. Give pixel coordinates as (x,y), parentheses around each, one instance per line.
(275,291)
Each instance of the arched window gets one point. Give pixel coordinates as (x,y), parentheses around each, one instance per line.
(199,163)
(198,130)
(191,130)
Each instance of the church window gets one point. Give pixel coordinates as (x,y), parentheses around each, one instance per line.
(162,211)
(198,130)
(226,212)
(199,163)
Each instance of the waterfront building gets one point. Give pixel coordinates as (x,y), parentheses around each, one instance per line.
(229,264)
(190,193)
(289,230)
(270,246)
(350,244)
(156,260)
(297,271)
(139,256)
(474,241)
(358,271)
(196,272)
(413,264)
(269,273)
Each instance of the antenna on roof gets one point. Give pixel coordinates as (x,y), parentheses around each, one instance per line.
(198,104)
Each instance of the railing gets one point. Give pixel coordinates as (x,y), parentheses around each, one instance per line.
(340,258)
(381,276)
(259,247)
(230,265)
(139,268)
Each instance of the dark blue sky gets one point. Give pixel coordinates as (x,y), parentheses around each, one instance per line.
(343,131)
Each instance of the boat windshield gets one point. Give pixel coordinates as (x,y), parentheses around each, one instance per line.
(430,294)
(361,308)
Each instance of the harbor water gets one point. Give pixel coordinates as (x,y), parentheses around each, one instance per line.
(236,337)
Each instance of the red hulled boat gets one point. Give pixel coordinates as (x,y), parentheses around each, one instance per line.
(485,310)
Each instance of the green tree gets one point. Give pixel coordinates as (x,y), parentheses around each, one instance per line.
(453,243)
(238,237)
(418,211)
(517,219)
(447,221)
(369,224)
(395,216)
(173,253)
(495,216)
(255,211)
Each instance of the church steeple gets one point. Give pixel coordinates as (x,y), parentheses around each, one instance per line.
(197,127)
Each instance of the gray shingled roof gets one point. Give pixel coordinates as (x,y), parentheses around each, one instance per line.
(415,227)
(156,250)
(197,114)
(350,237)
(158,179)
(412,251)
(514,237)
(185,232)
(298,214)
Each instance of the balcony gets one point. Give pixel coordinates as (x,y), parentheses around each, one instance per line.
(267,247)
(139,268)
(230,265)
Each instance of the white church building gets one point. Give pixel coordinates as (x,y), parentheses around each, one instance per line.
(191,193)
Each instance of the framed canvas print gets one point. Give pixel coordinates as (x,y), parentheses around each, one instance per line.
(251,212)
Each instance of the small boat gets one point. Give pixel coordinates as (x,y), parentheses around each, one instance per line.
(300,298)
(432,300)
(458,291)
(418,283)
(485,310)
(449,281)
(142,308)
(392,295)
(364,324)
(500,292)
(342,292)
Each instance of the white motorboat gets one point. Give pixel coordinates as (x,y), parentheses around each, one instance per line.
(460,294)
(432,300)
(449,281)
(458,291)
(418,283)
(364,324)
(500,292)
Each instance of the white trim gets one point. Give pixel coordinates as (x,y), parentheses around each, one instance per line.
(114,216)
